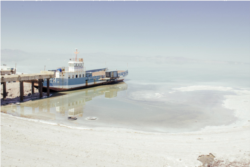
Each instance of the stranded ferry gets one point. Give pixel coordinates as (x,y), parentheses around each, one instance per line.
(75,76)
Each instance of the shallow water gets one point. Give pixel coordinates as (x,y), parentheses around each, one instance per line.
(136,108)
(147,100)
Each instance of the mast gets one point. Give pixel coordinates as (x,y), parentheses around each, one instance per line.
(76,52)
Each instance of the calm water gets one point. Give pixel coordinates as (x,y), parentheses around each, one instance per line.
(146,101)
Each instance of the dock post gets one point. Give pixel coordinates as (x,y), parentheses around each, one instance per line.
(21,90)
(4,90)
(40,87)
(47,87)
(32,87)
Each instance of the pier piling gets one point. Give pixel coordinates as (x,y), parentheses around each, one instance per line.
(4,90)
(47,87)
(32,87)
(21,90)
(40,87)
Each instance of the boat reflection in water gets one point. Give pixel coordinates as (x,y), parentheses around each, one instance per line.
(63,104)
(111,106)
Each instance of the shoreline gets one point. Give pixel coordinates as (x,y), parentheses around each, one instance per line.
(211,129)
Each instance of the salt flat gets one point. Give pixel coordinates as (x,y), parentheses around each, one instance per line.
(27,142)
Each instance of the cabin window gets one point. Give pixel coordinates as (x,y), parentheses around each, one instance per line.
(76,76)
(80,76)
(69,77)
(72,76)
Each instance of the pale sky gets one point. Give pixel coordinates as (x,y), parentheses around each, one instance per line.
(196,30)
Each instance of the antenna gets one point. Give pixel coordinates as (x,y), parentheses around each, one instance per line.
(76,52)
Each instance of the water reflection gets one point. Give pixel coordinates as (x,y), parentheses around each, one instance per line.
(63,105)
(145,108)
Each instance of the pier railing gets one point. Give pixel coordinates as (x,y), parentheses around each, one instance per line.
(26,77)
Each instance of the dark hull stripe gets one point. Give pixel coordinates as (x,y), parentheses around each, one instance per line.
(79,87)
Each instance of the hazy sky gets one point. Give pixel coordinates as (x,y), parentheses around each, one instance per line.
(200,30)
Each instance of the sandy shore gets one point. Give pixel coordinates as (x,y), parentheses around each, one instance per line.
(27,142)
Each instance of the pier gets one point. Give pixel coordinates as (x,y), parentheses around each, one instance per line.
(39,77)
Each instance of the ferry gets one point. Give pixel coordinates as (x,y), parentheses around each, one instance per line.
(75,76)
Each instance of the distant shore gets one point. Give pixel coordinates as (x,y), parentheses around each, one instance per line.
(29,141)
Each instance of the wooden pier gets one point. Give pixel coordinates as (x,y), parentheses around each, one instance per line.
(27,78)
